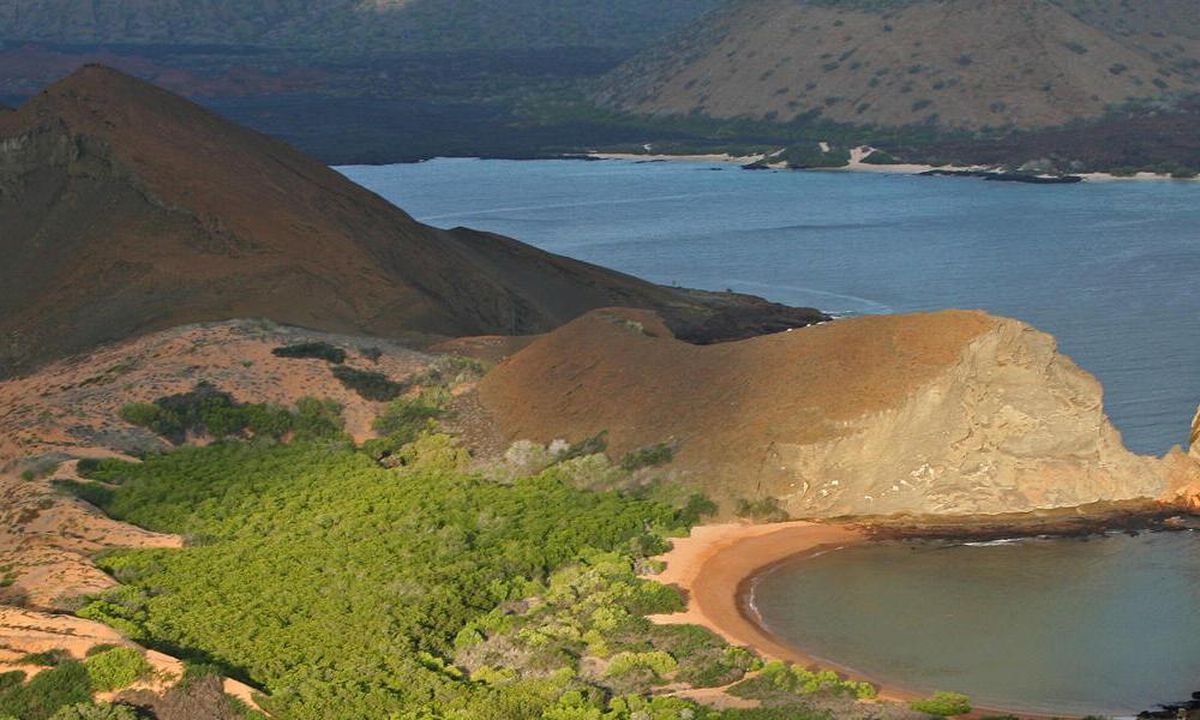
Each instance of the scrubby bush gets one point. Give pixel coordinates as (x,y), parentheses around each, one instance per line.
(63,685)
(368,384)
(95,711)
(879,157)
(206,410)
(943,704)
(402,421)
(764,509)
(652,456)
(312,350)
(781,677)
(46,658)
(594,445)
(117,668)
(811,156)
(657,662)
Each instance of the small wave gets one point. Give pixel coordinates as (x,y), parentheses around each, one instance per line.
(560,206)
(995,543)
(871,305)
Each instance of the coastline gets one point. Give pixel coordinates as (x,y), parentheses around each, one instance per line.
(857,166)
(716,567)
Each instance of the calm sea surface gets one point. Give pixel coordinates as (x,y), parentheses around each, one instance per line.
(1103,626)
(1111,269)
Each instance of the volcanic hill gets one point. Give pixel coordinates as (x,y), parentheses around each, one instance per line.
(966,64)
(126,209)
(946,413)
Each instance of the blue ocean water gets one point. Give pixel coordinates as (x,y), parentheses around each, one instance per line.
(1112,269)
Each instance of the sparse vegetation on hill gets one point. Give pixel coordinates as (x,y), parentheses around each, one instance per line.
(959,64)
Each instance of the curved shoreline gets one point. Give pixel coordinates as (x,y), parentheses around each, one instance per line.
(716,567)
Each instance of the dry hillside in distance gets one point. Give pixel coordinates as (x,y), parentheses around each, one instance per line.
(958,63)
(948,413)
(127,209)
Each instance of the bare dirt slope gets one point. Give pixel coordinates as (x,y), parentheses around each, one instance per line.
(125,209)
(953,412)
(70,409)
(957,63)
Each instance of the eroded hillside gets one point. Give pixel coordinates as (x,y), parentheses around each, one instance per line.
(951,413)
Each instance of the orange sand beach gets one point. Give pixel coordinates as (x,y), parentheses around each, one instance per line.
(715,565)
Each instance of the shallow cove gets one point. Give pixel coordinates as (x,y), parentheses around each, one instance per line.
(1104,626)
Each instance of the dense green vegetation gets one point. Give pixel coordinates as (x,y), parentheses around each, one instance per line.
(778,677)
(209,411)
(116,668)
(64,690)
(65,684)
(349,590)
(393,581)
(339,585)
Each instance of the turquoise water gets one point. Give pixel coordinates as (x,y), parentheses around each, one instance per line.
(1112,269)
(1103,626)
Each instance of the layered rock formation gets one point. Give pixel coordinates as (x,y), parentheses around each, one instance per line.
(952,412)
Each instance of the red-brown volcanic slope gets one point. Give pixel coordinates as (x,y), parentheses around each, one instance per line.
(953,412)
(620,371)
(126,209)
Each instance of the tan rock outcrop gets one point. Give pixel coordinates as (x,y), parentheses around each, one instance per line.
(953,412)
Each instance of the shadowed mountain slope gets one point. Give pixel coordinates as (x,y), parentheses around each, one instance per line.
(958,63)
(125,209)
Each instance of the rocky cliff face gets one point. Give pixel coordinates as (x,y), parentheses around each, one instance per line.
(953,413)
(1011,425)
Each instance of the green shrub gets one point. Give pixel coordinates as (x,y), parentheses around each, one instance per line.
(116,668)
(49,690)
(697,507)
(943,704)
(778,676)
(652,456)
(810,156)
(879,157)
(765,509)
(317,419)
(92,492)
(657,662)
(368,384)
(312,350)
(594,445)
(95,711)
(208,410)
(46,658)
(402,422)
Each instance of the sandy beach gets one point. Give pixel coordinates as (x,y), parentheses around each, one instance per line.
(857,165)
(714,566)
